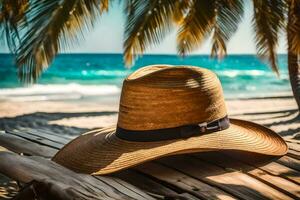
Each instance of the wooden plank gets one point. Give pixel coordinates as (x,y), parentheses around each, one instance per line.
(43,127)
(287,139)
(289,162)
(235,183)
(294,146)
(109,181)
(112,182)
(187,190)
(150,184)
(47,130)
(182,181)
(263,163)
(20,145)
(21,125)
(55,181)
(125,188)
(131,187)
(283,171)
(51,137)
(35,139)
(184,196)
(294,154)
(289,188)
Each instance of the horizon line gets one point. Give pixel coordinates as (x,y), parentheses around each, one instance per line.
(149,54)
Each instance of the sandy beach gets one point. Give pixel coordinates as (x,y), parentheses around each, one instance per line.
(72,117)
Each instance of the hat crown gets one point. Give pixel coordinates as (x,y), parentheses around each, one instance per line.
(163,96)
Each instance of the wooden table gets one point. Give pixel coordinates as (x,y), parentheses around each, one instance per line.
(215,175)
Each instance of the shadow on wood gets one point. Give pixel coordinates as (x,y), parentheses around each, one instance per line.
(213,175)
(52,181)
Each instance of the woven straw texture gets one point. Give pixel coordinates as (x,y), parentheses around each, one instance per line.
(158,97)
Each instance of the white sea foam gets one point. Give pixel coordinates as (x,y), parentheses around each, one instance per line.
(39,92)
(114,73)
(234,73)
(251,73)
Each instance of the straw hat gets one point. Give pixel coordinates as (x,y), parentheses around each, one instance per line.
(167,110)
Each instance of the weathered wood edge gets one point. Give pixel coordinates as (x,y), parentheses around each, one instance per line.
(278,161)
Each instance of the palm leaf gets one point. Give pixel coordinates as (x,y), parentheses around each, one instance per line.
(129,8)
(53,24)
(180,10)
(147,23)
(294,8)
(12,13)
(104,5)
(268,20)
(228,14)
(196,26)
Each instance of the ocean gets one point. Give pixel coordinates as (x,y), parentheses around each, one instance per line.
(89,76)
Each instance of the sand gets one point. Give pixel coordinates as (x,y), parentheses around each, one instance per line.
(278,113)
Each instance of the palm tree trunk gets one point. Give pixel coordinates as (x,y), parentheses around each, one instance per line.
(294,73)
(293,60)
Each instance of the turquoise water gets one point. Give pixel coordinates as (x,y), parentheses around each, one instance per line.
(77,76)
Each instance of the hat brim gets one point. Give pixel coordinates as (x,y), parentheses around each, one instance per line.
(101,152)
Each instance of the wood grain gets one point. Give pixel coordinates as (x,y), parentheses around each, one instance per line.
(215,175)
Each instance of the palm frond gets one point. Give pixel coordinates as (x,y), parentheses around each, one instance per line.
(12,13)
(180,10)
(268,20)
(228,14)
(129,8)
(147,24)
(52,25)
(104,5)
(294,22)
(196,26)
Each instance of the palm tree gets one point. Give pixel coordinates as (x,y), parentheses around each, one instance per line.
(219,19)
(12,13)
(53,24)
(47,26)
(293,40)
(201,19)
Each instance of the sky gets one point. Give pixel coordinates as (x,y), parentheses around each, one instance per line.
(107,37)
